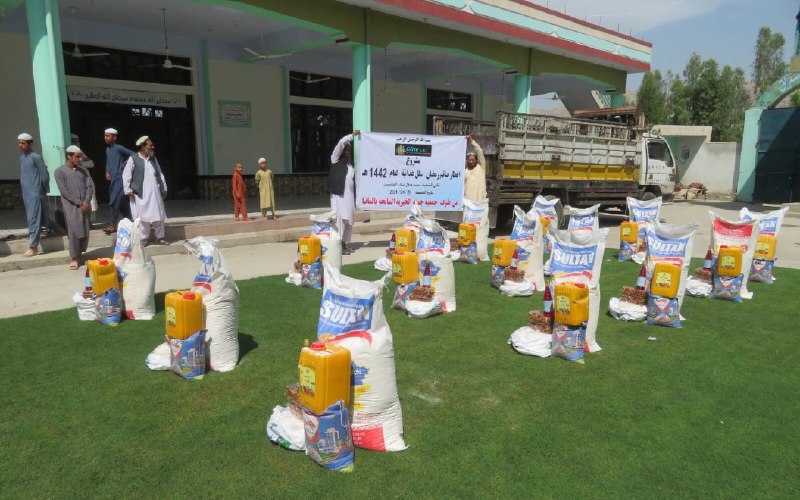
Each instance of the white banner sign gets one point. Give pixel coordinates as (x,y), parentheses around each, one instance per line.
(126,97)
(395,170)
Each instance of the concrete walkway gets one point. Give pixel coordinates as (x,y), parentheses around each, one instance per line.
(272,251)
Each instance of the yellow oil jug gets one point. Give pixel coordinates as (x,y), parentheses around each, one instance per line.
(405,267)
(405,240)
(103,274)
(310,248)
(571,303)
(503,251)
(765,247)
(628,232)
(545,222)
(666,278)
(323,376)
(184,313)
(729,261)
(466,234)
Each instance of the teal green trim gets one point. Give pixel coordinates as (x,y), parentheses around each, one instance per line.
(509,17)
(205,77)
(747,159)
(49,84)
(617,99)
(287,130)
(269,14)
(522,93)
(784,86)
(362,106)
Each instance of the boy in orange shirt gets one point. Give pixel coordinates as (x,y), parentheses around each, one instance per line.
(239,193)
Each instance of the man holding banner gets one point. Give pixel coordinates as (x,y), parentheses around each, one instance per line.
(475,174)
(341,187)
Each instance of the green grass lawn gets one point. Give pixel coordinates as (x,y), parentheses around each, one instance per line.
(708,410)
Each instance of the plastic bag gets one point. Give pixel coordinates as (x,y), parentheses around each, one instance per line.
(625,311)
(641,211)
(136,270)
(87,308)
(433,250)
(731,234)
(477,213)
(187,356)
(220,303)
(109,307)
(351,316)
(159,359)
(577,257)
(286,429)
(527,231)
(671,244)
(325,229)
(761,269)
(526,340)
(328,439)
(583,218)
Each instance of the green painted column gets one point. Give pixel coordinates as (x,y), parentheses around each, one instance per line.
(522,93)
(49,85)
(208,124)
(747,158)
(362,102)
(617,99)
(287,122)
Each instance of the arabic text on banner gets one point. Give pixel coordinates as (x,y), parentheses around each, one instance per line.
(396,170)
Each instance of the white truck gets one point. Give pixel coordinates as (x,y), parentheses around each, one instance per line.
(580,161)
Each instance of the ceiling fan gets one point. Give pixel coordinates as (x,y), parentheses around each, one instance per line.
(308,79)
(167,64)
(258,56)
(76,50)
(261,56)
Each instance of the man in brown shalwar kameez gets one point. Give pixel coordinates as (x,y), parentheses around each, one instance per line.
(76,194)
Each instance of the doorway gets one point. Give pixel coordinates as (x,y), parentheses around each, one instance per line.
(170,129)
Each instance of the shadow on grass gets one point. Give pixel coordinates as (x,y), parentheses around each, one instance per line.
(159,298)
(247,343)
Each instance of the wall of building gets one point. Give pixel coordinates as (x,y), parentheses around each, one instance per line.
(716,165)
(398,107)
(262,87)
(17,101)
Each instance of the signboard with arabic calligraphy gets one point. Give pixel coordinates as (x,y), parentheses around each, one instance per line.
(395,170)
(126,97)
(234,114)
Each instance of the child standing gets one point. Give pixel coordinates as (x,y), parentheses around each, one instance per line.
(239,193)
(265,188)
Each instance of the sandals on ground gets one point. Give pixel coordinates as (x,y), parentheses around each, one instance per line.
(73,266)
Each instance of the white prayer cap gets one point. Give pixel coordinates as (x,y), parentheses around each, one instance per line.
(111,131)
(24,137)
(472,153)
(141,140)
(74,149)
(262,159)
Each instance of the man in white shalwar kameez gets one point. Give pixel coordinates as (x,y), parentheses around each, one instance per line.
(342,188)
(143,182)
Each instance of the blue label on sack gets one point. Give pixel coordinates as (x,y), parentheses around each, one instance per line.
(522,230)
(473,215)
(761,270)
(321,228)
(728,287)
(428,240)
(109,307)
(545,209)
(497,275)
(329,440)
(188,356)
(626,251)
(568,260)
(665,248)
(639,214)
(582,221)
(339,314)
(123,245)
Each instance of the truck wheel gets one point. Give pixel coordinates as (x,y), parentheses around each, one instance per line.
(647,196)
